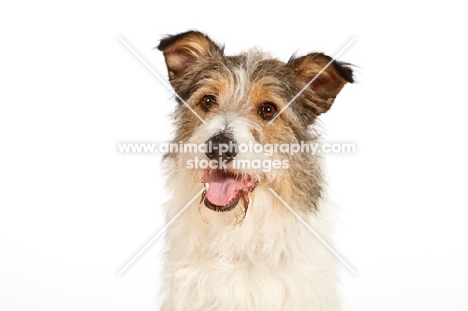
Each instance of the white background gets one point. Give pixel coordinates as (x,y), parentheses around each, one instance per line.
(73,211)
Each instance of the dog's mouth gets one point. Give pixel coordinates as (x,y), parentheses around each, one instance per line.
(224,189)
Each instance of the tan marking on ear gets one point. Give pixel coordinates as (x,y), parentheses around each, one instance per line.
(182,50)
(326,86)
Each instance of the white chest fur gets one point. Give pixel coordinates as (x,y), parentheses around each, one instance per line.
(269,261)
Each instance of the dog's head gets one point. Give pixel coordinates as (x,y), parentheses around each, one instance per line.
(228,103)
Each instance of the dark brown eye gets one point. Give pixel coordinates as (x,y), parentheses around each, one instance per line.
(267,110)
(208,102)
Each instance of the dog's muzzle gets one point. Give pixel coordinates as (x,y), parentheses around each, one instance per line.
(224,187)
(221,147)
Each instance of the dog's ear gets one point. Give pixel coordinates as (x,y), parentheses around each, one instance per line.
(327,84)
(184,49)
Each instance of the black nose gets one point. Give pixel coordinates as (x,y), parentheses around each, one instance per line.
(221,146)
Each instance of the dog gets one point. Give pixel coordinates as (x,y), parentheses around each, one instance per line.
(237,246)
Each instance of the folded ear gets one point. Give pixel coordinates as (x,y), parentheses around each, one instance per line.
(184,49)
(327,84)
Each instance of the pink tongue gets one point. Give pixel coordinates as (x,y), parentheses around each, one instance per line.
(222,188)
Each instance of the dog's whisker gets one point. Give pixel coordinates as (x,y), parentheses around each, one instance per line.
(202,196)
(245,198)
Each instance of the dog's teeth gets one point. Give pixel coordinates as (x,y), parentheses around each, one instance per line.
(207,186)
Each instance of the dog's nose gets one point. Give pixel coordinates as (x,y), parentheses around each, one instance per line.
(221,146)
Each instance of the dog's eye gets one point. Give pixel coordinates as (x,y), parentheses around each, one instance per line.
(208,102)
(267,110)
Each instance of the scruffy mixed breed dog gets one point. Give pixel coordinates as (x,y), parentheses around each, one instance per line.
(237,246)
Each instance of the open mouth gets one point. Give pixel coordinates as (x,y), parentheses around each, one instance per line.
(224,189)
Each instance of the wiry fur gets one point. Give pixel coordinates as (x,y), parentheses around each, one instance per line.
(267,260)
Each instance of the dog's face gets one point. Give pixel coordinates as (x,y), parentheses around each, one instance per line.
(241,100)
